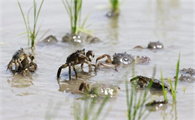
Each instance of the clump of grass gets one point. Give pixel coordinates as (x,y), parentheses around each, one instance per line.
(89,111)
(135,104)
(173,90)
(114,6)
(31,32)
(163,88)
(73,8)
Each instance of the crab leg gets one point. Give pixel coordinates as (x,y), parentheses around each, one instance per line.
(75,71)
(69,71)
(9,66)
(60,68)
(103,56)
(89,64)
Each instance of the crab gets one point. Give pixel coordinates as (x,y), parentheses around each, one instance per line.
(189,71)
(80,38)
(152,46)
(98,89)
(143,82)
(78,57)
(50,40)
(121,59)
(21,62)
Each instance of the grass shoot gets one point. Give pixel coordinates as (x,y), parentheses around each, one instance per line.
(135,104)
(163,88)
(173,90)
(31,32)
(73,8)
(90,110)
(114,6)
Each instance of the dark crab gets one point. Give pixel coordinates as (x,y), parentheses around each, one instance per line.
(152,46)
(143,82)
(21,62)
(121,59)
(78,57)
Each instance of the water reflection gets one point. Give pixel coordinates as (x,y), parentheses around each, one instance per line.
(172,114)
(20,81)
(166,18)
(113,29)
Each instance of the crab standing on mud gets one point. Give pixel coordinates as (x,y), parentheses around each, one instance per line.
(152,46)
(143,82)
(78,57)
(121,58)
(22,63)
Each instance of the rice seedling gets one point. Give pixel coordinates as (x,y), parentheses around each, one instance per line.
(31,32)
(73,8)
(173,90)
(135,104)
(114,6)
(90,110)
(164,91)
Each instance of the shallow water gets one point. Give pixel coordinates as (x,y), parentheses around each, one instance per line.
(40,97)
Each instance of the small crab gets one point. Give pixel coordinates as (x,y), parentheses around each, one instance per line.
(143,82)
(78,57)
(98,89)
(152,46)
(50,40)
(188,78)
(189,71)
(21,61)
(121,59)
(18,57)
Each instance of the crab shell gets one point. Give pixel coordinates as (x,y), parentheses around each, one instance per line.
(122,58)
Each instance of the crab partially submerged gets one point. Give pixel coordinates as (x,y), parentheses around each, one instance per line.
(121,59)
(22,63)
(78,57)
(98,89)
(72,38)
(143,82)
(152,46)
(50,40)
(189,71)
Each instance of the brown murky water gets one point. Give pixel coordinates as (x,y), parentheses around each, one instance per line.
(40,97)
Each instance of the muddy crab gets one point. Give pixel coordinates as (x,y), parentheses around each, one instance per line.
(143,82)
(78,57)
(21,62)
(152,46)
(72,38)
(187,74)
(98,89)
(121,59)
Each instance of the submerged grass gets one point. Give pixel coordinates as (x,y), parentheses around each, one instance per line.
(31,32)
(114,5)
(89,111)
(135,104)
(174,90)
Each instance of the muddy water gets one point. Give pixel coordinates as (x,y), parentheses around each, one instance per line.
(40,97)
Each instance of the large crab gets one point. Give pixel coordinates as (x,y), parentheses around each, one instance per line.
(21,62)
(78,57)
(121,58)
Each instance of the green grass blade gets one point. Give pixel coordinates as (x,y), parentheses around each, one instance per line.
(177,73)
(164,92)
(101,106)
(172,91)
